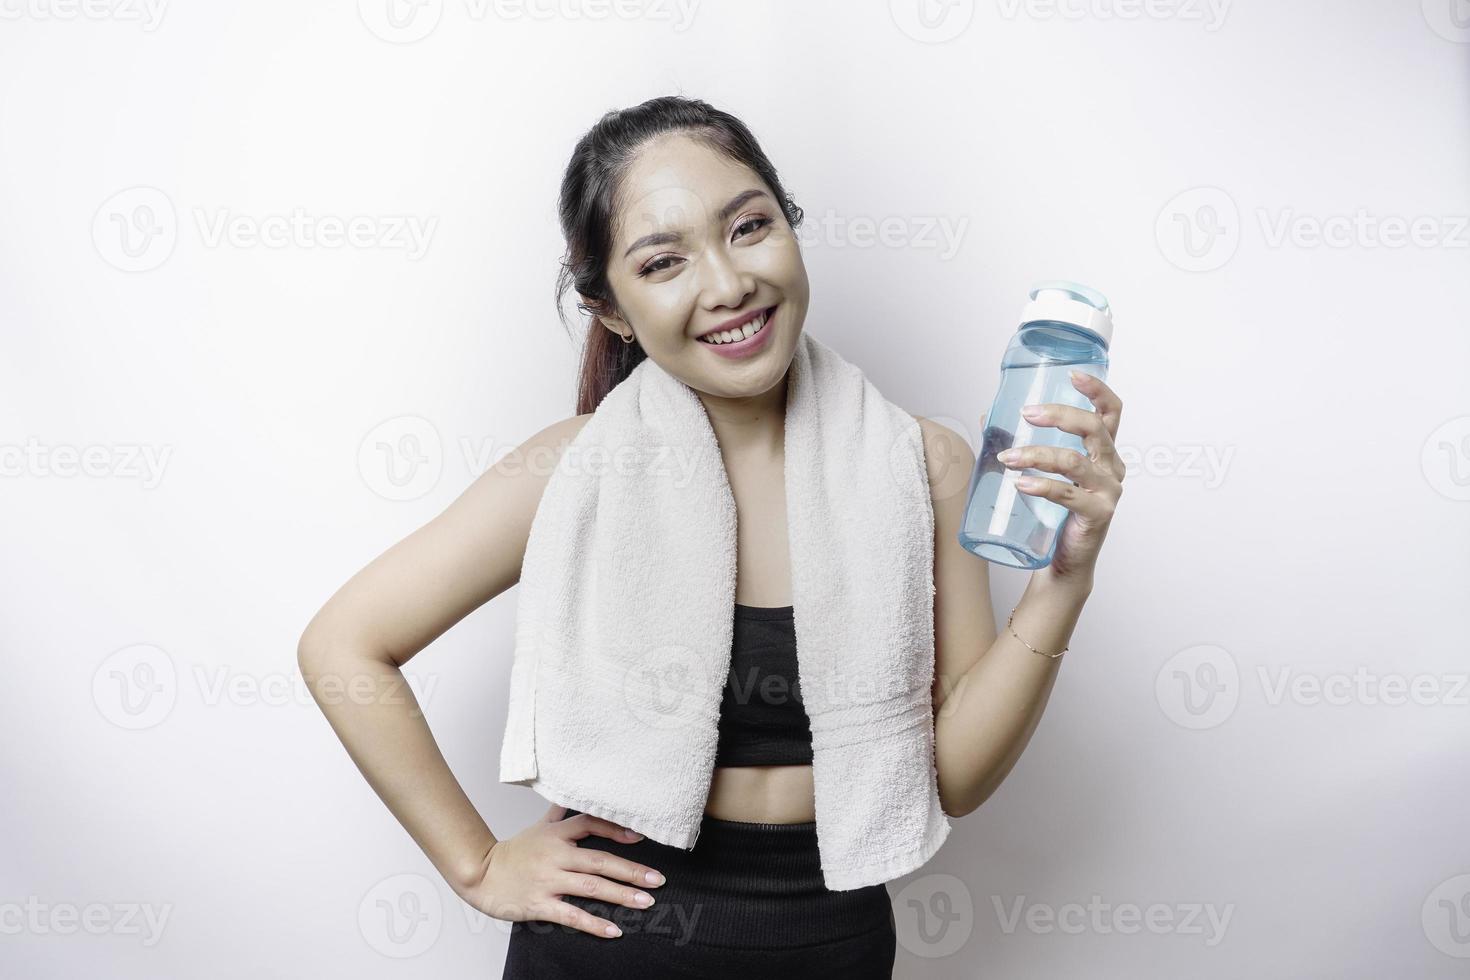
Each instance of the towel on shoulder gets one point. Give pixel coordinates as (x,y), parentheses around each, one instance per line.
(625,617)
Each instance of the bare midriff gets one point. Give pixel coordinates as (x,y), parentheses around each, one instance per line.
(762,794)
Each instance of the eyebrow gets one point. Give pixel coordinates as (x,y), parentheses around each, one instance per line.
(669,237)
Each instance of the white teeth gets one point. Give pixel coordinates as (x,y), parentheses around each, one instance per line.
(742,333)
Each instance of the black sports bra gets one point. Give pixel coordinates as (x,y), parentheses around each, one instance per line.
(763,721)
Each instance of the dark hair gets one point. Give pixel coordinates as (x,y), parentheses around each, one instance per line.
(587,209)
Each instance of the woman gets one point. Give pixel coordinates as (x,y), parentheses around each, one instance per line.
(681,243)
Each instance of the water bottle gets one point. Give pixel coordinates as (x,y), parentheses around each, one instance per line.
(1065,327)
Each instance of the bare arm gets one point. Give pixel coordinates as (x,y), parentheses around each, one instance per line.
(989,690)
(351,651)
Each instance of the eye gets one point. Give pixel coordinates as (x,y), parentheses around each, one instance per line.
(759,223)
(656,265)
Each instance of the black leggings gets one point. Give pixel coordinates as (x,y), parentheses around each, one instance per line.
(747,900)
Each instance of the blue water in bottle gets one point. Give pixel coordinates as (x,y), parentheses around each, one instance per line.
(1065,327)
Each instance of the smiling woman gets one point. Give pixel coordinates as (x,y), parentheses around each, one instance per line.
(679,232)
(681,246)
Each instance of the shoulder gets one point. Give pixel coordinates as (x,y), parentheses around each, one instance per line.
(947,456)
(538,455)
(528,466)
(558,433)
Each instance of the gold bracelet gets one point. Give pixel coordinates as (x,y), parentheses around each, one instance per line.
(1029,646)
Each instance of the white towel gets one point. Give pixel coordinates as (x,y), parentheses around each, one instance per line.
(625,617)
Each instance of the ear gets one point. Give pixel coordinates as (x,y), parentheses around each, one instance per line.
(610,320)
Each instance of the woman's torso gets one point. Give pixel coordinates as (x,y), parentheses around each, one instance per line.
(761,794)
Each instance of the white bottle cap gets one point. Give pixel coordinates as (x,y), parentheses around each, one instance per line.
(1070,302)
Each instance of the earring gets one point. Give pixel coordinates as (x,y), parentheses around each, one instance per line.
(627,338)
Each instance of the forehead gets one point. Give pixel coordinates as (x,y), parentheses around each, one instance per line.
(676,182)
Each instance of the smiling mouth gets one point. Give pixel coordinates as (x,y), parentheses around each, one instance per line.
(743,332)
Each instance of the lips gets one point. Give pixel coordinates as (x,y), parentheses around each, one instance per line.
(750,346)
(732,336)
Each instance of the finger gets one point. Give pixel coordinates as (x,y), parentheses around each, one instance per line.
(1084,503)
(1109,406)
(585,825)
(567,914)
(1076,467)
(1083,422)
(1069,418)
(595,861)
(554,814)
(586,884)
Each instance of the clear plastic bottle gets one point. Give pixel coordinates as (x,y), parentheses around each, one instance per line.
(1065,327)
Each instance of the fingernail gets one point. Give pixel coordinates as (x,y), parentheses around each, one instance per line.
(613,931)
(654,878)
(643,898)
(1028,483)
(1008,455)
(633,835)
(1032,411)
(1078,375)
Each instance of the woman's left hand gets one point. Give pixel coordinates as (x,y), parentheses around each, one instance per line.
(1094,481)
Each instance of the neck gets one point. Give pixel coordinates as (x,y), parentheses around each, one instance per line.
(756,424)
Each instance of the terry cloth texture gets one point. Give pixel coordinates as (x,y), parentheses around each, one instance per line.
(625,617)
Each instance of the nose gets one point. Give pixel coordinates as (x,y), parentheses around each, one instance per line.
(724,284)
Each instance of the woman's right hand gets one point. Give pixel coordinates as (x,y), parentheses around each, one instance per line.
(525,877)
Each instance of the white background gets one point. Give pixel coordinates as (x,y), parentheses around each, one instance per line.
(1298,412)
